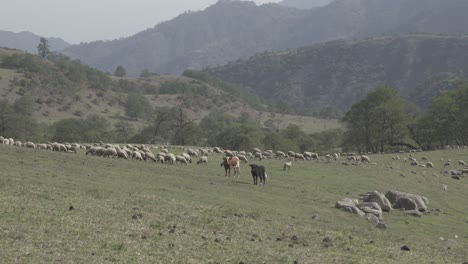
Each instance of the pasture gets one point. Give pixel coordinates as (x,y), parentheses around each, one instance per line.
(73,208)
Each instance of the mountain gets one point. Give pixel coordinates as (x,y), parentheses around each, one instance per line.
(339,73)
(229,30)
(305,4)
(28,41)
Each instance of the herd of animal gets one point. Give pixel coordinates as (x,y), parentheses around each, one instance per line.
(231,160)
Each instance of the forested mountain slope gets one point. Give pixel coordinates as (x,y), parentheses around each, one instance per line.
(229,30)
(340,73)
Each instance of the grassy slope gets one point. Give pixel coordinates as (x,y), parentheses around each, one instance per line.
(193,214)
(111,104)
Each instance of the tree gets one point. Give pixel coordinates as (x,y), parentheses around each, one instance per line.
(120,71)
(185,130)
(137,106)
(377,121)
(238,137)
(446,120)
(123,130)
(43,47)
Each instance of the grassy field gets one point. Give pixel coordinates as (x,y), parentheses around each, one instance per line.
(67,208)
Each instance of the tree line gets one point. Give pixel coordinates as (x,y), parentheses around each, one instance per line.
(385,121)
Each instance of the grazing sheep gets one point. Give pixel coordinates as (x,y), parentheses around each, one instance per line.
(258,155)
(137,155)
(280,154)
(461,163)
(243,158)
(192,152)
(121,153)
(30,145)
(365,158)
(181,159)
(41,146)
(170,158)
(299,156)
(109,152)
(430,165)
(203,160)
(203,152)
(150,156)
(18,144)
(335,156)
(217,150)
(414,163)
(287,165)
(187,156)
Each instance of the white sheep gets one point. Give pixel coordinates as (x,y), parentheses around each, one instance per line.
(181,159)
(461,163)
(365,158)
(243,158)
(287,165)
(137,155)
(109,152)
(429,165)
(203,160)
(188,157)
(169,158)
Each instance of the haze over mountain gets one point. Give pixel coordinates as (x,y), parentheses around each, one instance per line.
(28,41)
(340,73)
(231,30)
(305,4)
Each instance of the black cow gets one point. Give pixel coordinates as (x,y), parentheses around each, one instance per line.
(258,171)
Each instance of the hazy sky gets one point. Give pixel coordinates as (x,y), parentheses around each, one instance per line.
(87,20)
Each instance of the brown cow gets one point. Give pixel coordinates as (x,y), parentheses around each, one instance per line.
(231,163)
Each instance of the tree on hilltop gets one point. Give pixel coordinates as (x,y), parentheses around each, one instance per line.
(120,71)
(43,47)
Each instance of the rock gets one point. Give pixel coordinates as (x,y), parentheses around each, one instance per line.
(414,213)
(137,216)
(394,196)
(349,206)
(372,218)
(381,225)
(379,198)
(371,207)
(406,203)
(405,248)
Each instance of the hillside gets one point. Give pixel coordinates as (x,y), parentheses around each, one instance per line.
(340,73)
(28,41)
(61,88)
(229,30)
(77,208)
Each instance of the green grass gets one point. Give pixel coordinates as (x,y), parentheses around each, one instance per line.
(193,214)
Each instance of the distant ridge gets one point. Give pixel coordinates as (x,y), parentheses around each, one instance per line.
(229,30)
(28,41)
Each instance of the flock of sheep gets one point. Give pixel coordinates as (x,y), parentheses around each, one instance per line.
(187,155)
(163,155)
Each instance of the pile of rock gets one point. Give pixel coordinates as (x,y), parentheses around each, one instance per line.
(375,203)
